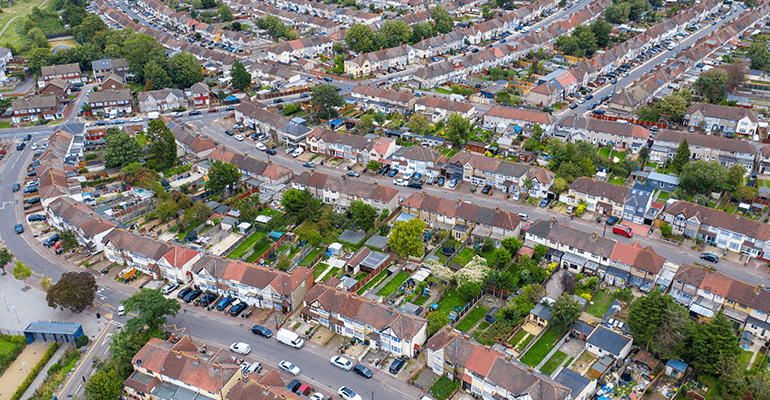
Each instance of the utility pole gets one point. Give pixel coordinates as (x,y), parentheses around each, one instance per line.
(187,321)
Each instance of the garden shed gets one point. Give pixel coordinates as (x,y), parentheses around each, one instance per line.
(335,249)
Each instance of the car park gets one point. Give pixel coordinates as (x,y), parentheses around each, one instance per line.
(710,257)
(289,367)
(341,362)
(261,331)
(396,366)
(237,309)
(363,371)
(240,348)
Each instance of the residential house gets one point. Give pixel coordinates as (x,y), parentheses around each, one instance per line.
(439,109)
(487,373)
(381,149)
(383,100)
(638,203)
(582,387)
(341,191)
(764,161)
(338,144)
(552,88)
(193,144)
(666,183)
(581,252)
(5,57)
(603,133)
(110,102)
(112,82)
(135,251)
(350,315)
(253,284)
(719,118)
(540,315)
(600,197)
(177,264)
(56,87)
(160,100)
(200,95)
(367,260)
(165,369)
(464,220)
(727,152)
(504,118)
(68,215)
(292,132)
(36,108)
(380,61)
(419,159)
(251,167)
(718,228)
(607,342)
(504,175)
(310,47)
(68,72)
(105,67)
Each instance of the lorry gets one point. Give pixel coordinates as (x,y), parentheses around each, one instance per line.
(622,230)
(290,338)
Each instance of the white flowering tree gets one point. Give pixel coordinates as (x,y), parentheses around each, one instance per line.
(475,271)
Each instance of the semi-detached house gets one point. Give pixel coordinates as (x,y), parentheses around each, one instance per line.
(419,159)
(340,191)
(350,315)
(383,100)
(68,72)
(600,197)
(602,133)
(135,251)
(502,118)
(251,167)
(464,220)
(380,60)
(110,102)
(160,100)
(36,108)
(716,118)
(68,215)
(718,228)
(504,175)
(727,152)
(439,109)
(299,48)
(337,144)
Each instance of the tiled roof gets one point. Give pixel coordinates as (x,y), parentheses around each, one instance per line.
(721,219)
(589,186)
(588,242)
(471,212)
(722,112)
(708,141)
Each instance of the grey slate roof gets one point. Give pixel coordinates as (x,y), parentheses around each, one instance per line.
(572,380)
(608,340)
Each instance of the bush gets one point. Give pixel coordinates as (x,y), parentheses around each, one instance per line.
(586,296)
(35,371)
(81,341)
(54,368)
(580,209)
(19,342)
(666,230)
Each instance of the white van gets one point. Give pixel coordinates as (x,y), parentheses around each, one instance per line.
(153,115)
(290,338)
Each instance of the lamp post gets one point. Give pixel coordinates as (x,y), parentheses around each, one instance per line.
(6,303)
(17,314)
(187,321)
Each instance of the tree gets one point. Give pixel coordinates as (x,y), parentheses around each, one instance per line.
(512,244)
(564,312)
(419,123)
(423,30)
(601,30)
(682,156)
(39,57)
(104,384)
(5,258)
(673,333)
(500,257)
(750,4)
(88,28)
(338,48)
(735,76)
(162,143)
(406,237)
(703,177)
(360,38)
(711,85)
(675,104)
(646,316)
(222,175)
(666,230)
(366,123)
(69,241)
(363,214)
(273,24)
(617,13)
(436,321)
(458,130)
(241,77)
(644,155)
(225,13)
(735,177)
(74,291)
(155,76)
(22,272)
(559,185)
(185,69)
(301,205)
(441,17)
(393,33)
(759,55)
(151,308)
(746,193)
(139,49)
(469,290)
(711,343)
(326,100)
(672,12)
(121,149)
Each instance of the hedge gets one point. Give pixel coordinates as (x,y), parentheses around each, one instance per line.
(36,370)
(18,342)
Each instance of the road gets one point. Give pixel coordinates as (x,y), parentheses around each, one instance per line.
(639,70)
(74,386)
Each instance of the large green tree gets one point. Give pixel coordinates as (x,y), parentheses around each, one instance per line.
(703,177)
(735,177)
(419,123)
(301,205)
(241,77)
(423,30)
(21,272)
(75,291)
(225,13)
(104,384)
(441,17)
(646,315)
(185,70)
(458,130)
(68,241)
(139,49)
(162,143)
(759,55)
(393,33)
(711,343)
(39,57)
(711,85)
(564,312)
(152,309)
(326,100)
(5,258)
(682,156)
(156,76)
(121,149)
(601,30)
(223,175)
(360,38)
(363,214)
(406,237)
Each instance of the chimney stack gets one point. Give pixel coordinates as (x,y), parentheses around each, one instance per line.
(459,201)
(529,370)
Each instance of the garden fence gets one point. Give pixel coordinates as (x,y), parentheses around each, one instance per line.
(459,249)
(367,278)
(272,249)
(239,241)
(467,308)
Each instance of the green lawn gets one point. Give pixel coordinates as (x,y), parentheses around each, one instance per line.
(443,388)
(10,348)
(442,90)
(311,256)
(182,235)
(141,138)
(553,362)
(601,303)
(616,180)
(619,154)
(464,256)
(247,244)
(333,273)
(517,338)
(605,152)
(745,359)
(270,211)
(451,300)
(259,251)
(471,319)
(663,196)
(542,347)
(374,282)
(319,269)
(449,153)
(20,7)
(393,284)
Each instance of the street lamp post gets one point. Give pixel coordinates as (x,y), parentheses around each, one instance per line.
(187,321)
(17,314)
(6,304)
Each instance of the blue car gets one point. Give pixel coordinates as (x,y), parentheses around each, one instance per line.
(392,172)
(224,303)
(417,176)
(19,229)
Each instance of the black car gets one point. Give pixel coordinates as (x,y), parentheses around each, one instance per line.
(308,165)
(237,309)
(293,386)
(414,185)
(440,181)
(397,365)
(33,200)
(33,173)
(384,170)
(224,303)
(207,299)
(278,101)
(19,229)
(573,106)
(36,217)
(27,138)
(270,151)
(486,189)
(31,189)
(192,295)
(363,371)
(184,292)
(261,331)
(710,257)
(612,220)
(229,132)
(589,96)
(51,240)
(21,146)
(191,113)
(16,187)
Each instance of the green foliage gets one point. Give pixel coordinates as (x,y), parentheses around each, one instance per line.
(156,76)
(564,312)
(225,13)
(12,347)
(436,321)
(393,33)
(185,70)
(121,149)
(759,55)
(423,30)
(601,30)
(512,244)
(22,272)
(35,371)
(223,175)
(458,130)
(241,77)
(360,38)
(151,308)
(301,205)
(666,230)
(573,160)
(469,290)
(126,343)
(703,177)
(5,258)
(326,100)
(162,143)
(139,50)
(104,384)
(646,315)
(682,156)
(81,341)
(290,109)
(711,85)
(363,214)
(580,43)
(406,237)
(419,123)
(69,241)
(441,17)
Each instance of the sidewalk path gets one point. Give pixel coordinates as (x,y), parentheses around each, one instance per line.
(17,372)
(44,372)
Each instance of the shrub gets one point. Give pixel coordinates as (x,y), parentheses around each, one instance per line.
(35,371)
(586,296)
(580,209)
(54,368)
(81,341)
(666,230)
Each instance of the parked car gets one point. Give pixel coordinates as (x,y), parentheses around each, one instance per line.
(239,138)
(341,362)
(16,187)
(184,292)
(51,240)
(192,295)
(308,165)
(710,257)
(623,231)
(399,182)
(414,185)
(261,331)
(348,394)
(224,303)
(612,220)
(363,371)
(353,174)
(270,151)
(396,366)
(440,181)
(452,183)
(544,202)
(293,386)
(486,189)
(208,298)
(31,189)
(169,288)
(240,348)
(393,172)
(191,113)
(35,217)
(289,367)
(238,308)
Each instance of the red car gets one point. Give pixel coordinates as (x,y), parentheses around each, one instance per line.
(318,77)
(213,110)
